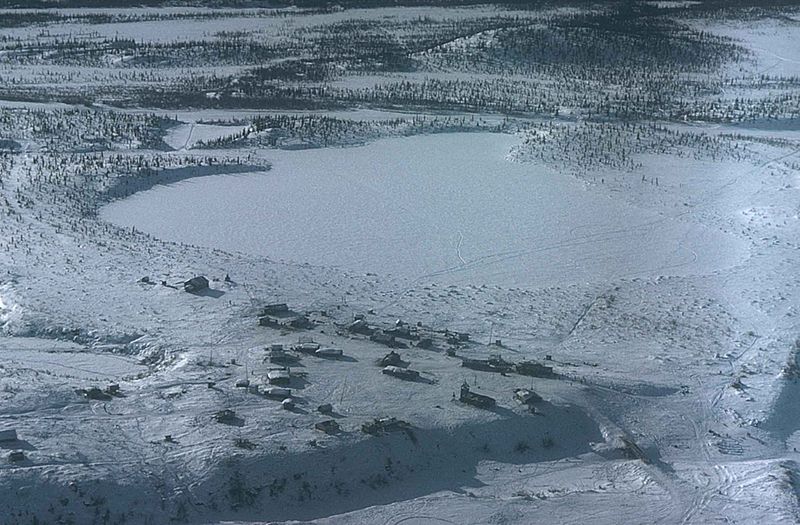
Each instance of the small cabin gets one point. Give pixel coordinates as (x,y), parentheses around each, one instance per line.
(196,284)
(360,326)
(386,340)
(94,394)
(401,373)
(534,369)
(329,426)
(495,363)
(383,425)
(301,322)
(526,396)
(280,377)
(329,352)
(456,338)
(276,309)
(276,351)
(277,354)
(266,320)
(472,398)
(7,435)
(499,364)
(391,359)
(307,347)
(276,392)
(403,332)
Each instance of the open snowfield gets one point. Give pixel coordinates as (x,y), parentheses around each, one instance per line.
(636,229)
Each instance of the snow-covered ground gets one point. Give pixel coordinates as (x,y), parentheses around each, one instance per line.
(664,297)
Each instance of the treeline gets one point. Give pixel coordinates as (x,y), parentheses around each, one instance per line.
(346,46)
(62,191)
(72,130)
(381,46)
(332,4)
(627,62)
(619,146)
(105,52)
(499,95)
(697,6)
(613,47)
(11,18)
(81,182)
(313,131)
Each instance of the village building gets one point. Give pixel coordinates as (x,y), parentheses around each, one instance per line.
(360,326)
(391,359)
(383,425)
(387,340)
(493,364)
(308,347)
(401,373)
(196,284)
(276,392)
(279,377)
(329,352)
(403,332)
(526,396)
(472,398)
(329,426)
(279,315)
(276,309)
(534,369)
(276,353)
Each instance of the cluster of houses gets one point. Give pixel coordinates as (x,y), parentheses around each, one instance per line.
(403,335)
(281,357)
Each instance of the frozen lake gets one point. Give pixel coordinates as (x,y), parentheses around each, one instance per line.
(447,207)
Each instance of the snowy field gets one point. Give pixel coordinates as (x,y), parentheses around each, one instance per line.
(588,215)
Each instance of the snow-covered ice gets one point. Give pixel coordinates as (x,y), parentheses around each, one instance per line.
(445,208)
